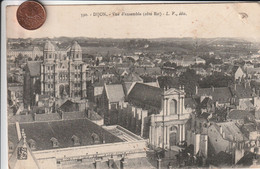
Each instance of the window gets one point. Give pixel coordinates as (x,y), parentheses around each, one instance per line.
(48,85)
(32,144)
(75,140)
(48,67)
(77,56)
(55,142)
(49,55)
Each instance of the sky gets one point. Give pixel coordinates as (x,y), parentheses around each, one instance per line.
(231,20)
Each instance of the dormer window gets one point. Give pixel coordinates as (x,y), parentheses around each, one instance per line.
(10,146)
(75,140)
(32,144)
(55,142)
(95,138)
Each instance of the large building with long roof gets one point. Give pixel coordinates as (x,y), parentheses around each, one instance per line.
(77,143)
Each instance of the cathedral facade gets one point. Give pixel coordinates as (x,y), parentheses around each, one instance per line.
(61,74)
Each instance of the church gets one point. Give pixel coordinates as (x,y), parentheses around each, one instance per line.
(60,74)
(167,113)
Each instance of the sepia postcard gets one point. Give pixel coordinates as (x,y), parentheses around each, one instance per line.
(134,85)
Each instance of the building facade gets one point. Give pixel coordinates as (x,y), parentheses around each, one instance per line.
(63,75)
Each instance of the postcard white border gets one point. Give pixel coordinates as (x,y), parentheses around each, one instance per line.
(4,4)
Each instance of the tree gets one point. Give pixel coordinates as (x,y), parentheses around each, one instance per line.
(221,114)
(190,80)
(18,59)
(169,64)
(216,80)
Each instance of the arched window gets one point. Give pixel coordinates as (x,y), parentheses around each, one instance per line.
(32,144)
(173,106)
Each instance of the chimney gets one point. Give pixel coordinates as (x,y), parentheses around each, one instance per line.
(110,162)
(220,129)
(196,89)
(212,88)
(123,163)
(36,98)
(97,163)
(180,87)
(159,161)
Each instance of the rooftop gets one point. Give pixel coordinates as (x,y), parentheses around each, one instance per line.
(42,132)
(232,132)
(34,67)
(220,94)
(115,92)
(239,114)
(145,94)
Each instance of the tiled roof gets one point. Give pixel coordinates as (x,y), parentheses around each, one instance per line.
(132,77)
(241,91)
(145,94)
(42,132)
(220,94)
(148,70)
(247,159)
(47,117)
(92,115)
(34,67)
(127,87)
(221,159)
(73,115)
(69,106)
(253,70)
(249,127)
(20,118)
(115,92)
(239,114)
(232,69)
(231,131)
(205,102)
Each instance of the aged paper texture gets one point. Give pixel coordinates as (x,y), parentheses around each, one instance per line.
(134,86)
